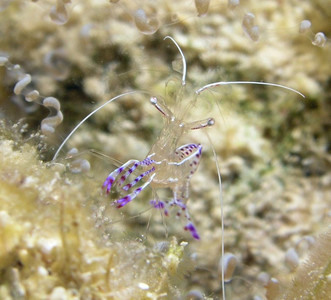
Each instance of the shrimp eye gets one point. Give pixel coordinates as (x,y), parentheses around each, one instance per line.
(153,100)
(160,107)
(211,122)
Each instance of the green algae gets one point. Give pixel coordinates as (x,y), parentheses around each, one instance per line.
(50,247)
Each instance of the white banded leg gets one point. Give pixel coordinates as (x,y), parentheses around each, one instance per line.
(137,179)
(112,176)
(125,200)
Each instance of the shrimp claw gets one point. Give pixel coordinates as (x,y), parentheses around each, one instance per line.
(125,200)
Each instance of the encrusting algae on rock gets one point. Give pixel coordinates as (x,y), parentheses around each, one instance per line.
(312,279)
(50,248)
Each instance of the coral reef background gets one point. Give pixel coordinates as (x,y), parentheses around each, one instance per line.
(60,237)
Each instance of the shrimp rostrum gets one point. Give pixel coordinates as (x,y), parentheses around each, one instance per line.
(167,165)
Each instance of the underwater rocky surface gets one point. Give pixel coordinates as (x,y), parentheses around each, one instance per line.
(60,236)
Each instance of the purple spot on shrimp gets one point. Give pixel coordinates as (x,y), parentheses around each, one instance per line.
(157,204)
(108,183)
(123,201)
(191,228)
(127,187)
(180,204)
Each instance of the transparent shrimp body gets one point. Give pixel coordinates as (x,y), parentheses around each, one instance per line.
(167,165)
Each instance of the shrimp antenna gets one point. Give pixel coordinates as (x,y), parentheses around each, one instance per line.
(211,85)
(88,116)
(222,212)
(183,58)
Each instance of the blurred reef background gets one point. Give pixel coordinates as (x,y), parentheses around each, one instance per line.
(60,237)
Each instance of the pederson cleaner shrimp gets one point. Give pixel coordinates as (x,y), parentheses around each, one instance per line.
(168,165)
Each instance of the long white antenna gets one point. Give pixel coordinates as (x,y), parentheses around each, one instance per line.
(222,213)
(211,85)
(183,58)
(89,115)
